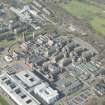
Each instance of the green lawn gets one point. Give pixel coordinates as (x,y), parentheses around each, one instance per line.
(28,1)
(6,43)
(3,101)
(92,14)
(98,24)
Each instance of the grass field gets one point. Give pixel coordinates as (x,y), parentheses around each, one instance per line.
(6,43)
(98,24)
(92,14)
(28,1)
(3,101)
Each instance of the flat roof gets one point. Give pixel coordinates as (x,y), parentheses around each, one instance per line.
(17,93)
(29,78)
(45,91)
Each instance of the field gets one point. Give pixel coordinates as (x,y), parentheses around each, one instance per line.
(6,43)
(28,1)
(93,14)
(3,101)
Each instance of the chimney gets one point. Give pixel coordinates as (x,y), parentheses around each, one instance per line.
(24,39)
(33,36)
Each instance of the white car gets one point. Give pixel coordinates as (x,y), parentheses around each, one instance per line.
(8,58)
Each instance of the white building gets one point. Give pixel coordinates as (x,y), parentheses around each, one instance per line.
(8,58)
(28,78)
(48,94)
(16,92)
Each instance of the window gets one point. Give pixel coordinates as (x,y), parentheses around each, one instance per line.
(4,78)
(8,82)
(26,75)
(23,96)
(32,79)
(18,91)
(28,101)
(12,86)
(47,92)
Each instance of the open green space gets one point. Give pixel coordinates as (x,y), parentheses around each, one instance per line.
(28,1)
(6,43)
(92,14)
(98,24)
(3,101)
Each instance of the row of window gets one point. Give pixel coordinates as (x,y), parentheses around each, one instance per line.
(17,90)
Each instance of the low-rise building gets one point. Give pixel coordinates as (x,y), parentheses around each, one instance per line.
(73,87)
(48,94)
(17,92)
(100,88)
(28,78)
